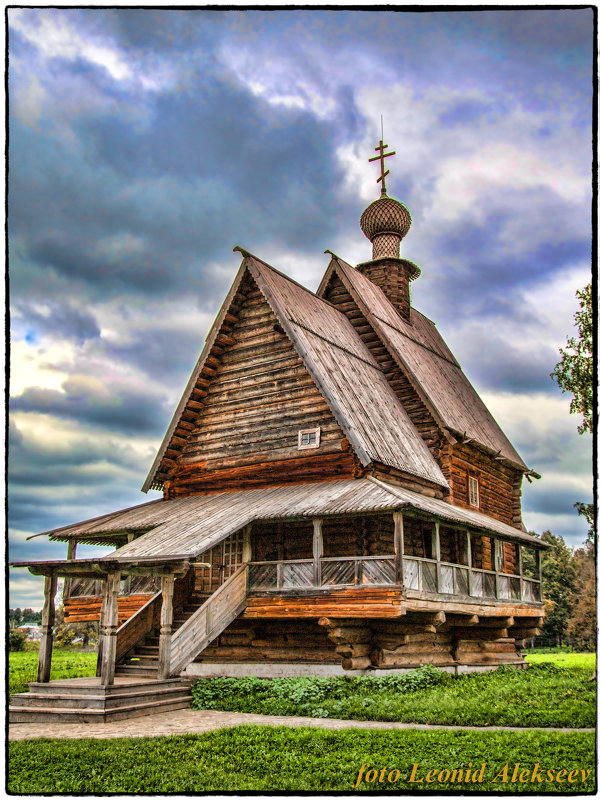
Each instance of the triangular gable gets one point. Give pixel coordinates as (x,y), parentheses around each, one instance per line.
(429,364)
(346,374)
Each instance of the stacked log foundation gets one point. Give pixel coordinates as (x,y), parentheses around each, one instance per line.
(357,643)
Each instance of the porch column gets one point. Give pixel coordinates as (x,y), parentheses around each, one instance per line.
(469,562)
(45,654)
(399,546)
(436,551)
(108,628)
(246,544)
(538,555)
(520,569)
(165,634)
(317,550)
(71,548)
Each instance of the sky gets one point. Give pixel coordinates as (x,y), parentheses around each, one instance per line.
(146,144)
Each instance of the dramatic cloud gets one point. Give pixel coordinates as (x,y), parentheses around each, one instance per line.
(146,143)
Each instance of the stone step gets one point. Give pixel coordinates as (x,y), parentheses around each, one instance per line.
(21,714)
(65,700)
(123,687)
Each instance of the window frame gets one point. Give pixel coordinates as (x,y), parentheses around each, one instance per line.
(308,432)
(473,491)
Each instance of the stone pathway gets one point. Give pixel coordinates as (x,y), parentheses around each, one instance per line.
(190,721)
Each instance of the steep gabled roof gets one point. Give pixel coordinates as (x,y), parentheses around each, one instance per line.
(347,375)
(429,364)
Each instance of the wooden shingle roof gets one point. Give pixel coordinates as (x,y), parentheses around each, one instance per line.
(350,380)
(429,364)
(188,526)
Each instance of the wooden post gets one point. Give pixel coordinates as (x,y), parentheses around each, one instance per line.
(108,627)
(469,562)
(520,569)
(538,556)
(436,551)
(399,546)
(165,634)
(45,653)
(247,544)
(71,548)
(317,550)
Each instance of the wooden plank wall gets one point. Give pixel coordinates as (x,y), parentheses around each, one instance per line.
(258,399)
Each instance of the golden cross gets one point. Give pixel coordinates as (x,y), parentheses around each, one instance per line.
(381,157)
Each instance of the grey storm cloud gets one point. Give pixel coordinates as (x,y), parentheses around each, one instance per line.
(133,173)
(61,320)
(133,412)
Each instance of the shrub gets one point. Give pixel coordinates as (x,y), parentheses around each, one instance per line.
(64,636)
(16,641)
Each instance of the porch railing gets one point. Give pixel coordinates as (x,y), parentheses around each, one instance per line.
(327,572)
(133,585)
(417,573)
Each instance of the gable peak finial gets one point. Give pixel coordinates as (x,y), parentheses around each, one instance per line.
(382,155)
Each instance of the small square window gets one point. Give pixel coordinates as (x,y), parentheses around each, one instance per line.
(473,492)
(308,438)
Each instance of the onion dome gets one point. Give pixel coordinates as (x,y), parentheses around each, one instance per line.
(385,223)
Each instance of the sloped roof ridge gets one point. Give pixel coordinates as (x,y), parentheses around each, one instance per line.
(468,414)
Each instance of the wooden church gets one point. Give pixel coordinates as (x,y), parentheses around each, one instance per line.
(336,497)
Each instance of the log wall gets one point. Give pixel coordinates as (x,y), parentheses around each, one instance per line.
(80,610)
(360,643)
(499,484)
(271,641)
(258,395)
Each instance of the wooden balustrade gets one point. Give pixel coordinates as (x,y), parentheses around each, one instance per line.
(134,629)
(210,620)
(417,573)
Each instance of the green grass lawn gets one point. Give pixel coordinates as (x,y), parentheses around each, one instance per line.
(66,664)
(564,659)
(255,758)
(541,695)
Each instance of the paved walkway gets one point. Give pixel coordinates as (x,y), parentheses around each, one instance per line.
(191,721)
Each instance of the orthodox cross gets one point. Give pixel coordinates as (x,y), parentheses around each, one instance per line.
(381,157)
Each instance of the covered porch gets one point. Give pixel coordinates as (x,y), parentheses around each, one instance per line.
(109,577)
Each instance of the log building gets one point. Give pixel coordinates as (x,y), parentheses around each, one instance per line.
(336,497)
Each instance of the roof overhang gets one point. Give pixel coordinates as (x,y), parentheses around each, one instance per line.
(99,568)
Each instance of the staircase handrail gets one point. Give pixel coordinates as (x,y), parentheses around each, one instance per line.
(135,627)
(208,621)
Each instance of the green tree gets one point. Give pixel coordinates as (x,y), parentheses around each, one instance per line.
(558,586)
(574,373)
(582,626)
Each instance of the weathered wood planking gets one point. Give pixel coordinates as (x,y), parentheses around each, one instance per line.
(357,602)
(79,610)
(426,359)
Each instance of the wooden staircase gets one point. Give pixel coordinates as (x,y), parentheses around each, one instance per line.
(143,661)
(137,689)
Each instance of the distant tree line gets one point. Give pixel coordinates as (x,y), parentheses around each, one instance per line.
(569,593)
(23,617)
